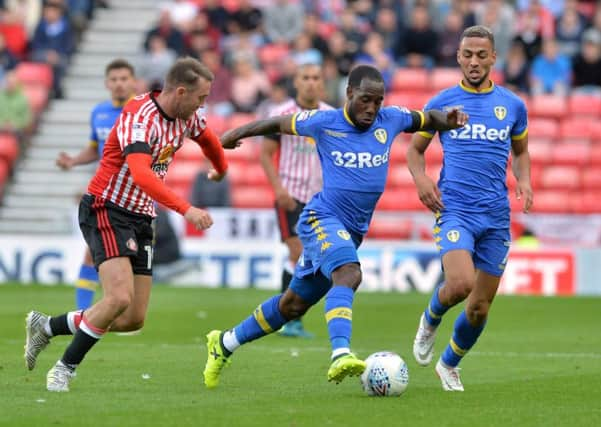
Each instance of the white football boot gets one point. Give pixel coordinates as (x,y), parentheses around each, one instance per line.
(449,377)
(58,377)
(36,339)
(423,344)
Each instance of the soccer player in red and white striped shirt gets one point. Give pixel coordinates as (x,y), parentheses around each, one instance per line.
(298,174)
(115,216)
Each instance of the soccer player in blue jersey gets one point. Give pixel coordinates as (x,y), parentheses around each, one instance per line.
(120,82)
(470,201)
(353,144)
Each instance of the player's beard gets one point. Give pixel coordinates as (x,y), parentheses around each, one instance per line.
(477,83)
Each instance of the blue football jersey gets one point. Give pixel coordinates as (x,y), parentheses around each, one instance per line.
(474,173)
(354,162)
(102,119)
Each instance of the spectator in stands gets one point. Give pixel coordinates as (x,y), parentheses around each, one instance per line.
(219,100)
(8,61)
(373,53)
(341,52)
(419,42)
(386,24)
(154,64)
(311,29)
(596,20)
(283,21)
(15,112)
(29,12)
(199,42)
(303,51)
(449,40)
(538,18)
(202,24)
(246,19)
(586,66)
(182,13)
(217,14)
(551,71)
(353,33)
(334,85)
(249,84)
(499,16)
(165,28)
(12,28)
(570,26)
(277,95)
(529,36)
(206,193)
(79,11)
(516,69)
(327,10)
(54,42)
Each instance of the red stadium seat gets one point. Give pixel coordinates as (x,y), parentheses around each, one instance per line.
(415,79)
(561,177)
(400,200)
(413,100)
(575,129)
(182,190)
(434,153)
(586,202)
(497,77)
(591,179)
(584,105)
(550,201)
(34,73)
(391,229)
(542,128)
(571,154)
(550,106)
(595,127)
(37,96)
(273,53)
(247,152)
(595,154)
(218,124)
(540,151)
(398,153)
(252,197)
(182,173)
(4,172)
(190,151)
(9,148)
(442,78)
(399,176)
(536,172)
(239,119)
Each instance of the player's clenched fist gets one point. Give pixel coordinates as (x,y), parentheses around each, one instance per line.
(64,161)
(457,118)
(199,217)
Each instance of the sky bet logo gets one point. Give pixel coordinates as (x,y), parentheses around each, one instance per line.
(481,132)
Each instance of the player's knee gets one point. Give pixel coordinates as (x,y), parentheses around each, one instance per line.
(477,312)
(458,288)
(293,306)
(118,301)
(348,274)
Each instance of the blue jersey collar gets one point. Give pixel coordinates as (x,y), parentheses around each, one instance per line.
(472,90)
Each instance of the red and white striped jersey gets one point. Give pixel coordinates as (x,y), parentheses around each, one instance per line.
(299,168)
(142,121)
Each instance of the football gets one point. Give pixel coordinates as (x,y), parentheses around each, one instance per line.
(386,374)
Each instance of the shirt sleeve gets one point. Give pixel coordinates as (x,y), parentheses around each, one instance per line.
(406,120)
(308,123)
(432,104)
(135,130)
(93,134)
(520,127)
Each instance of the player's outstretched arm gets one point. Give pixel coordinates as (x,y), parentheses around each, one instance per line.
(520,167)
(279,124)
(439,120)
(85,156)
(428,191)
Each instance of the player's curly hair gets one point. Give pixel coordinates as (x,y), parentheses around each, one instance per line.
(361,72)
(479,31)
(186,72)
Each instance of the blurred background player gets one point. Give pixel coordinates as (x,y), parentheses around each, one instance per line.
(120,81)
(470,202)
(353,144)
(115,215)
(298,174)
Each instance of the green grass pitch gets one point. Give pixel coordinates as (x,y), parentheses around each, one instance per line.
(538,363)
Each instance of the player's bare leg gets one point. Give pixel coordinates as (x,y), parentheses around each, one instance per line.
(459,280)
(132,319)
(118,284)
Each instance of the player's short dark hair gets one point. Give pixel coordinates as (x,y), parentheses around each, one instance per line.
(118,64)
(479,31)
(186,72)
(361,72)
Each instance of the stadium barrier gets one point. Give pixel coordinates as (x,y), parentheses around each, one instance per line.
(387,266)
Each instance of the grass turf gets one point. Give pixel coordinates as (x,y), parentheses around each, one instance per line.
(538,363)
